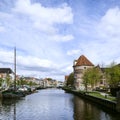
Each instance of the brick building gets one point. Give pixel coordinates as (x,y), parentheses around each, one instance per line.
(78,67)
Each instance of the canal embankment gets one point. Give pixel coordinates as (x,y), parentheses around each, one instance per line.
(105,103)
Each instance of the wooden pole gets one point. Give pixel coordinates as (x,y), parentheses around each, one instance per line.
(15,69)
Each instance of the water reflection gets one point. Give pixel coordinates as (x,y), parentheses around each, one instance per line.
(45,105)
(83,110)
(8,109)
(14,111)
(52,104)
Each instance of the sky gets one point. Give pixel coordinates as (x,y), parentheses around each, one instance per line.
(50,34)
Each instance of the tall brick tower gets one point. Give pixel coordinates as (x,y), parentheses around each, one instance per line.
(78,67)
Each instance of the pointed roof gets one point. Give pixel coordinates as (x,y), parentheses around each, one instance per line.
(82,60)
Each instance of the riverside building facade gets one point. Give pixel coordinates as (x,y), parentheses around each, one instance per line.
(79,66)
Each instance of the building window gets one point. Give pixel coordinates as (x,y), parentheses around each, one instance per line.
(84,67)
(101,82)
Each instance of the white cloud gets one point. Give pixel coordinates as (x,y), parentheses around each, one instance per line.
(2,29)
(73,52)
(109,33)
(61,38)
(4,15)
(6,56)
(45,34)
(68,69)
(33,61)
(38,31)
(102,42)
(44,18)
(29,65)
(110,24)
(21,23)
(106,39)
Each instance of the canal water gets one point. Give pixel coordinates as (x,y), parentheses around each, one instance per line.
(53,104)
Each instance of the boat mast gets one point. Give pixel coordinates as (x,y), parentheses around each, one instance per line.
(15,69)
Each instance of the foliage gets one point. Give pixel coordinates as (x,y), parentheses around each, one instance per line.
(86,79)
(49,79)
(91,77)
(31,83)
(1,80)
(70,80)
(8,80)
(22,81)
(113,75)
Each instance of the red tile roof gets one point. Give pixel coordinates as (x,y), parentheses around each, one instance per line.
(83,61)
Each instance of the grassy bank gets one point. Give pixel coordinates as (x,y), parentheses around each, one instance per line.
(102,95)
(97,94)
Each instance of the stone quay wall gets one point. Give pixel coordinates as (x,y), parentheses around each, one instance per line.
(111,105)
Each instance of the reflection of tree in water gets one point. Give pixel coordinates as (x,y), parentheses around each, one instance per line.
(85,111)
(9,107)
(0,106)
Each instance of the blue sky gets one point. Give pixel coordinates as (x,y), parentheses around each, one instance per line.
(50,34)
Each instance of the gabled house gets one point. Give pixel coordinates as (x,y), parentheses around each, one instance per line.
(4,75)
(45,83)
(79,65)
(103,83)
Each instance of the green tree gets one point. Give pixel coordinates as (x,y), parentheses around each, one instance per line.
(8,80)
(50,79)
(1,81)
(113,75)
(70,80)
(23,81)
(91,77)
(86,79)
(31,83)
